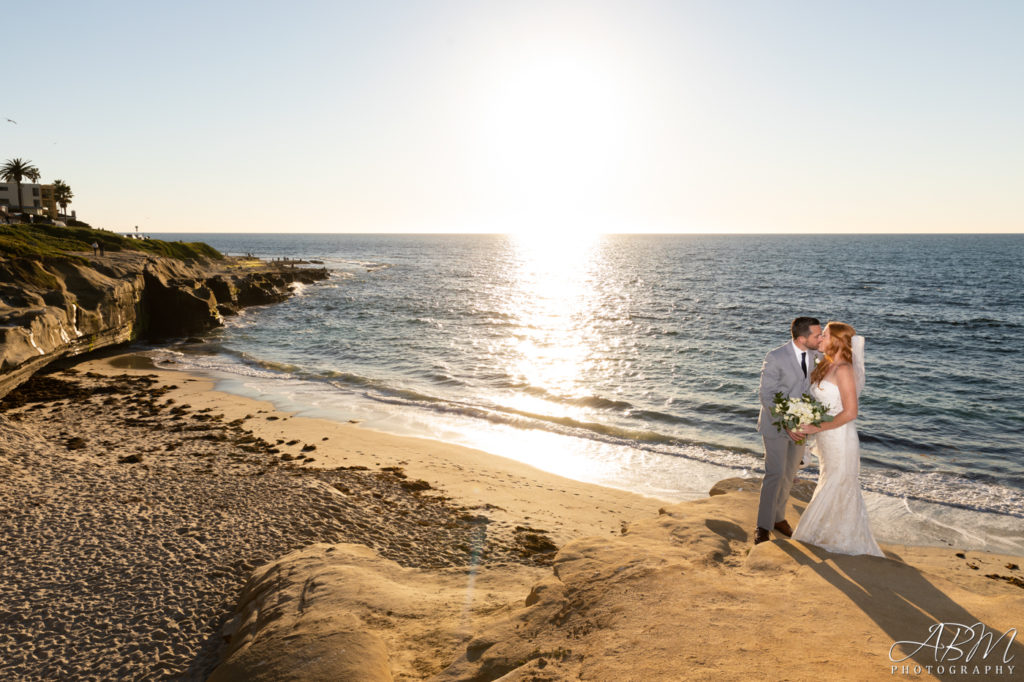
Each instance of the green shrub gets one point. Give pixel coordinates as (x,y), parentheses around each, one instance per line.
(52,242)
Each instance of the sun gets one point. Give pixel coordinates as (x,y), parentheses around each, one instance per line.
(550,140)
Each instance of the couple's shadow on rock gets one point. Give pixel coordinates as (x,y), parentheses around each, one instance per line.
(902,601)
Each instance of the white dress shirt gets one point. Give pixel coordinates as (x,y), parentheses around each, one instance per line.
(807,359)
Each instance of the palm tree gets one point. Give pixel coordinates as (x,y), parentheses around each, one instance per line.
(15,170)
(63,195)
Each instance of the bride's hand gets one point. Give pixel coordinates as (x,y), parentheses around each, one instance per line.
(809,429)
(795,435)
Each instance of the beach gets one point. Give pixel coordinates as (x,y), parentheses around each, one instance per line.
(438,341)
(152,522)
(140,500)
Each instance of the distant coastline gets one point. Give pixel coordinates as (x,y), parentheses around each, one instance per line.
(74,290)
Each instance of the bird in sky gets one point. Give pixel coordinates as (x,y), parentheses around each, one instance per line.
(13,121)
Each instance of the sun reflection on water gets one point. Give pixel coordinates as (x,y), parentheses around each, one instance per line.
(553,300)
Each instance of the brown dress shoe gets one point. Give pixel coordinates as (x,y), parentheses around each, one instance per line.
(783,527)
(761,535)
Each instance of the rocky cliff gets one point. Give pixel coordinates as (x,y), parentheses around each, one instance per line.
(57,308)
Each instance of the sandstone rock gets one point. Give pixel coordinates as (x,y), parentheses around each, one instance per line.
(289,627)
(65,308)
(342,612)
(223,288)
(685,595)
(259,291)
(802,490)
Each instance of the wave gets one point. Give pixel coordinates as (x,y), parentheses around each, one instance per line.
(254,361)
(368,265)
(945,489)
(977,322)
(597,402)
(503,380)
(976,493)
(664,417)
(219,362)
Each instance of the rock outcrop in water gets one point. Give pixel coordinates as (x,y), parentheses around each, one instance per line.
(59,308)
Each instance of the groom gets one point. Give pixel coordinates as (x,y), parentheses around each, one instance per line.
(787,369)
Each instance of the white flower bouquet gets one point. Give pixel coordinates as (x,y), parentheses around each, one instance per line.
(790,413)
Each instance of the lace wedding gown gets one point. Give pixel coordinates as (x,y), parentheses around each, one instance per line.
(836,518)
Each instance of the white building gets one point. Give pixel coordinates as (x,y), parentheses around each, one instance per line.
(35,199)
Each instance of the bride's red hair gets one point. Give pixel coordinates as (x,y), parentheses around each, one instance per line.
(840,349)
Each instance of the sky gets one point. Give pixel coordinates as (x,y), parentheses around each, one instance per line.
(707,116)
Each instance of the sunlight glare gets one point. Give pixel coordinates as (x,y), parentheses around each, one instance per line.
(552,133)
(550,347)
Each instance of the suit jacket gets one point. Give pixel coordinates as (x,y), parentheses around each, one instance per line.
(781,373)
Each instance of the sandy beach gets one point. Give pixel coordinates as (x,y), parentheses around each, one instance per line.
(460,341)
(139,501)
(154,527)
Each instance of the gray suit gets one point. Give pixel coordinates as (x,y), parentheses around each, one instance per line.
(780,373)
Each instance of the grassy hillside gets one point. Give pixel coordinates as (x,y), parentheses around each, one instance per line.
(49,242)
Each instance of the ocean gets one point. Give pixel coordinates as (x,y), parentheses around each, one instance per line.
(633,360)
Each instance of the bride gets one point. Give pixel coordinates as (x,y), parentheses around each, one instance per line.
(836,518)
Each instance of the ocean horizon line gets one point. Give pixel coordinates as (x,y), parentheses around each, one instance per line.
(616,234)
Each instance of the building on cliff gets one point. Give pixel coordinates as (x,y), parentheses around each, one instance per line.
(36,199)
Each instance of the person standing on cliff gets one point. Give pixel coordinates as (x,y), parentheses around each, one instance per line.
(103,250)
(95,247)
(786,370)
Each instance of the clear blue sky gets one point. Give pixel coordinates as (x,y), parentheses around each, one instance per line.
(712,116)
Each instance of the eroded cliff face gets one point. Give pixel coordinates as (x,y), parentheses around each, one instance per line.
(58,309)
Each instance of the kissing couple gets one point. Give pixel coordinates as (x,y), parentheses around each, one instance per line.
(828,365)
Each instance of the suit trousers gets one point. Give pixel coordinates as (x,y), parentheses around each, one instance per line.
(781,459)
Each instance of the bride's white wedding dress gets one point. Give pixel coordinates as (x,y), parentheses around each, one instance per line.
(836,518)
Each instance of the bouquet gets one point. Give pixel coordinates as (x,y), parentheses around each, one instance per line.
(790,413)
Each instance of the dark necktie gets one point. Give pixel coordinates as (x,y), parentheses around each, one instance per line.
(803,362)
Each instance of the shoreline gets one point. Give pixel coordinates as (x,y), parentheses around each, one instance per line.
(471,476)
(900,520)
(133,547)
